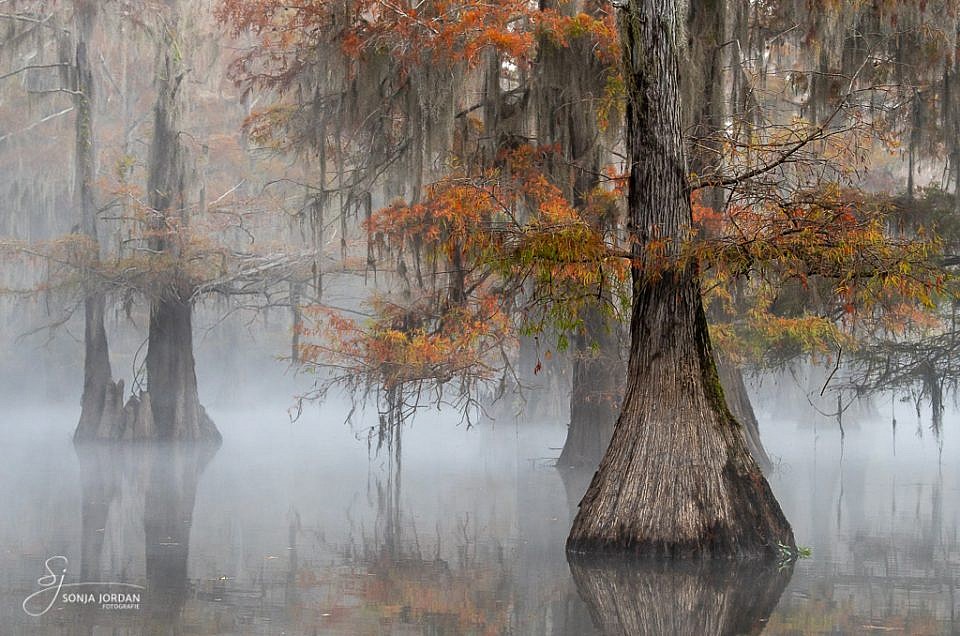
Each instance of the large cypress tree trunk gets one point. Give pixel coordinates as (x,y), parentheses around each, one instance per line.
(172,380)
(677,479)
(177,412)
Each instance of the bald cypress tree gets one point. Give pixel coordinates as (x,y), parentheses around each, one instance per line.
(172,380)
(677,479)
(97,375)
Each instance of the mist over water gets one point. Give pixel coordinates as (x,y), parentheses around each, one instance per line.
(232,231)
(306,527)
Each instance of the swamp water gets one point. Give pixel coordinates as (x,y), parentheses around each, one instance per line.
(305,528)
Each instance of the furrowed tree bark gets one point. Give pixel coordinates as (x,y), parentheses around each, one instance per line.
(594,412)
(677,479)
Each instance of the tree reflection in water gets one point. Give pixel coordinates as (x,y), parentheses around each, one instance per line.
(681,597)
(315,534)
(155,483)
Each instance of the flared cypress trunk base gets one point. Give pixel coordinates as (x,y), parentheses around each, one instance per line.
(118,421)
(177,412)
(98,385)
(134,421)
(170,410)
(677,479)
(593,412)
(597,392)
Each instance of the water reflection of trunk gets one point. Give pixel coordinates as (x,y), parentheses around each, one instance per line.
(291,594)
(101,478)
(389,441)
(655,597)
(390,536)
(163,480)
(574,617)
(167,519)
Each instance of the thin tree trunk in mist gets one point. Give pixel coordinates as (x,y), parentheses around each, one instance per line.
(702,87)
(598,375)
(97,375)
(297,315)
(716,598)
(677,479)
(599,372)
(567,86)
(738,399)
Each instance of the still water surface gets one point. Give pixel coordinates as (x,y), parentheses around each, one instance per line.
(304,529)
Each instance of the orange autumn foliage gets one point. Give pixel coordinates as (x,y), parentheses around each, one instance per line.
(437,31)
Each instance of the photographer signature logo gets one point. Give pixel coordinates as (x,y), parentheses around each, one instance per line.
(53,589)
